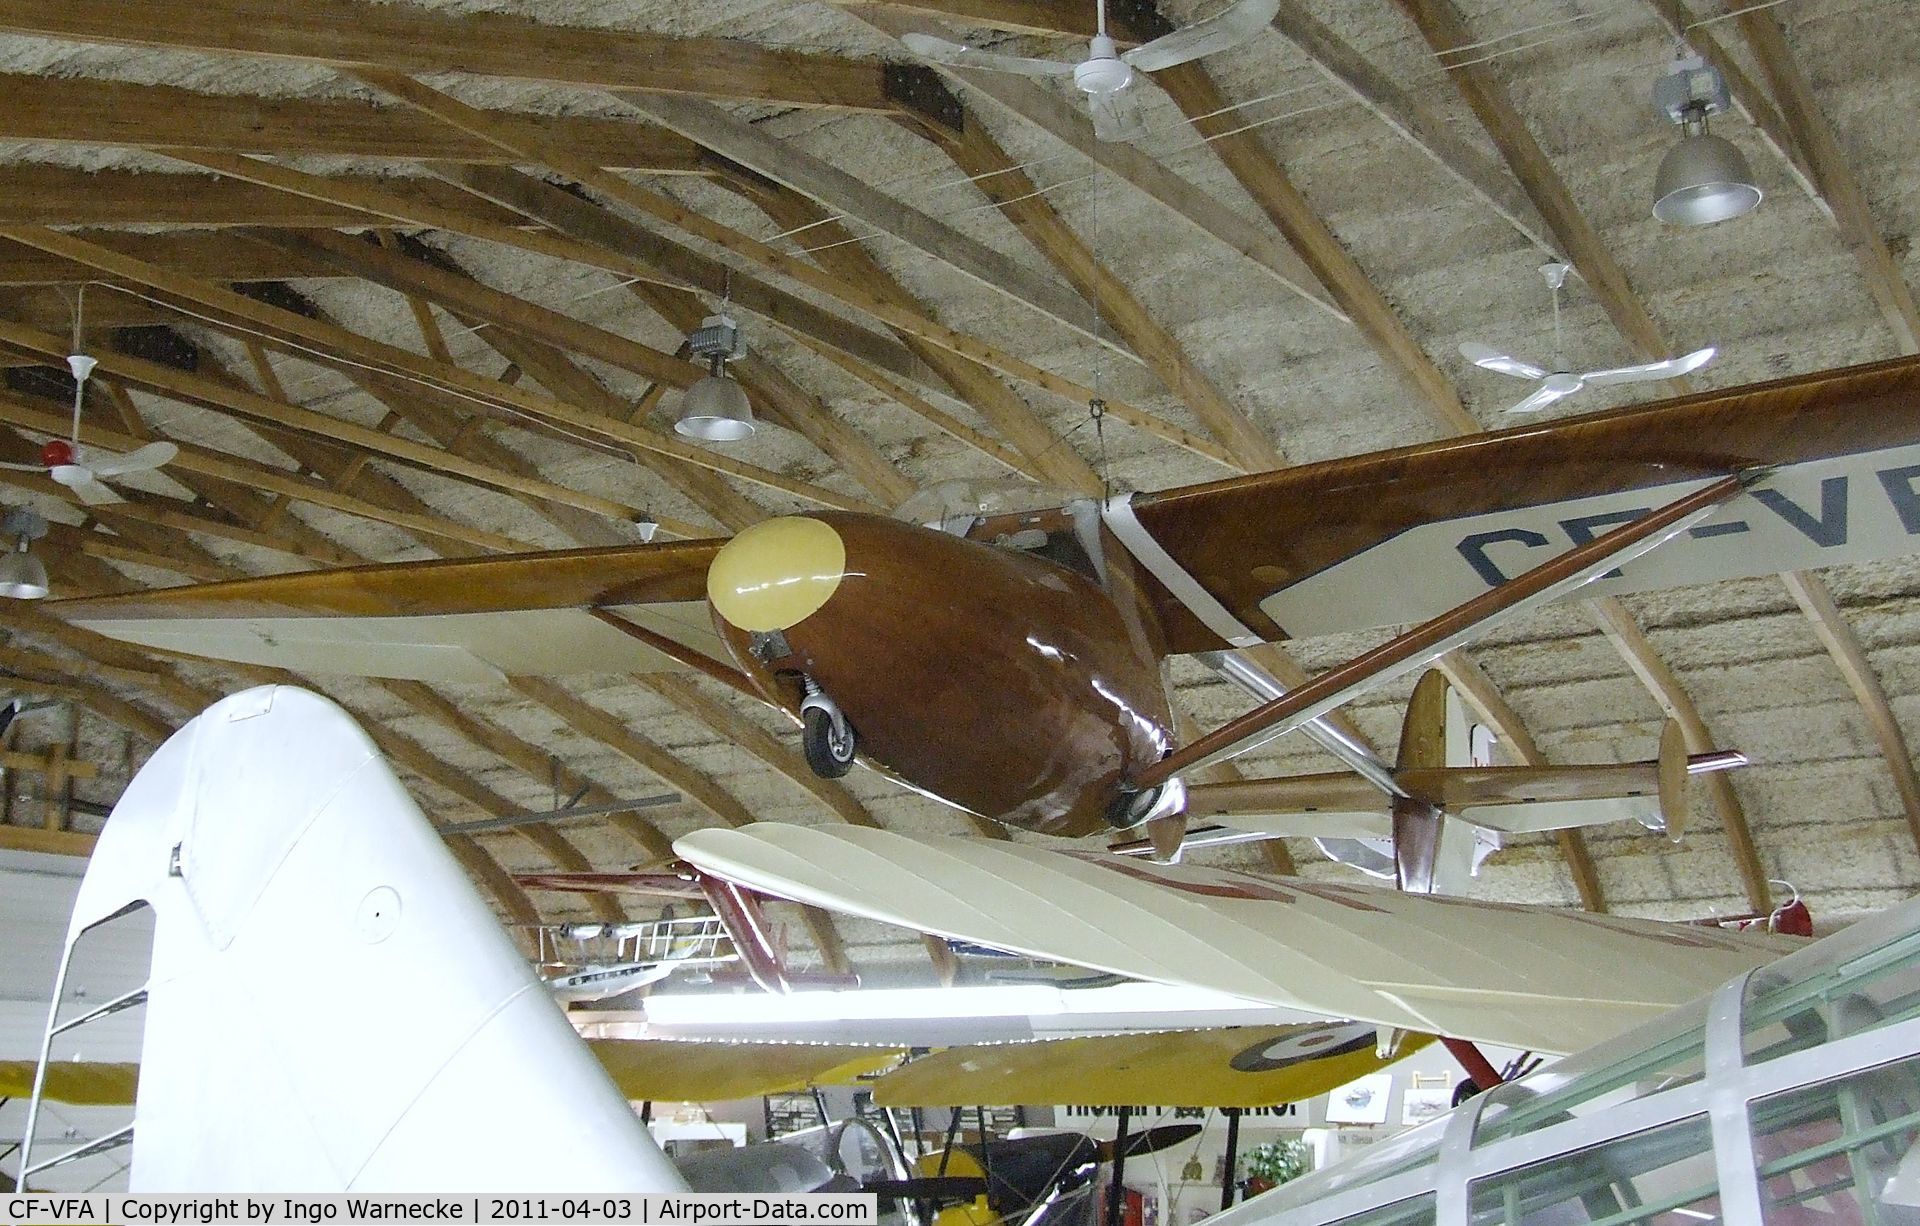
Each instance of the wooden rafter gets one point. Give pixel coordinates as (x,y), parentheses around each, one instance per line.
(999,176)
(1212,115)
(197,253)
(1045,110)
(75,110)
(1340,62)
(1830,626)
(670,212)
(59,196)
(327,342)
(1818,146)
(714,129)
(1620,627)
(409,39)
(1441,23)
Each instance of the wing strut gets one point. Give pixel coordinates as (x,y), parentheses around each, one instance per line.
(1441,634)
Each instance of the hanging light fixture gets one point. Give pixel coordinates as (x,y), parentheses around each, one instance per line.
(1704,178)
(22,576)
(715,410)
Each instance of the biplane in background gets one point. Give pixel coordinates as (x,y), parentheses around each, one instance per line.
(1008,661)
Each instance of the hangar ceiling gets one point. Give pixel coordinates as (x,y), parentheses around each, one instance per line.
(536,201)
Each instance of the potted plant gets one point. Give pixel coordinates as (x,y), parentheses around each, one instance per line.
(1275,1162)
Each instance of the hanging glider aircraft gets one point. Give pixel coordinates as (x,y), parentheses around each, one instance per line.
(1008,661)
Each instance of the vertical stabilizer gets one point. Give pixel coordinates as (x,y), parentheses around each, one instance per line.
(332,1008)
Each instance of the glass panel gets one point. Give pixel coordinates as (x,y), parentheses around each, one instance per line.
(1811,1004)
(1843,1151)
(1662,1054)
(1410,1150)
(1416,1212)
(1664,1176)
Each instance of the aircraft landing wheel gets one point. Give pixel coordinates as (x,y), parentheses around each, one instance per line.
(829,743)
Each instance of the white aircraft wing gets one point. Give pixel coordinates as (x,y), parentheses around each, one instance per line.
(1526,977)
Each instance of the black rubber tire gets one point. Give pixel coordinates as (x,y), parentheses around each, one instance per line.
(817,741)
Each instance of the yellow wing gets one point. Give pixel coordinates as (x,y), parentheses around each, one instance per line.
(1239,1066)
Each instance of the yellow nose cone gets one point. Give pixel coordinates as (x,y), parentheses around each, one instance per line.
(776,573)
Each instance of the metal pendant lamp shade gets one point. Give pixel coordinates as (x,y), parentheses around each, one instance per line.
(715,410)
(22,576)
(1703,179)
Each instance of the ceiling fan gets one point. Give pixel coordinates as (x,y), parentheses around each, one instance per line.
(1107,76)
(1554,385)
(83,470)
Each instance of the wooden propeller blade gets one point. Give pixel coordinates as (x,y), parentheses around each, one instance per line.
(1423,730)
(1165,834)
(1673,779)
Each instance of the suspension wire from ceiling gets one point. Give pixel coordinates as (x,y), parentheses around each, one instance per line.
(547,425)
(1568,27)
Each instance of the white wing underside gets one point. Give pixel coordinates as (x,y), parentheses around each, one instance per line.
(1517,976)
(452,647)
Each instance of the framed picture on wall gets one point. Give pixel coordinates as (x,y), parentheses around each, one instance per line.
(1361,1101)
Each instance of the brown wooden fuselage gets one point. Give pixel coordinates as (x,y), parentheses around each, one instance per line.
(1016,686)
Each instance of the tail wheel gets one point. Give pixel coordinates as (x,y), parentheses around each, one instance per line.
(830,744)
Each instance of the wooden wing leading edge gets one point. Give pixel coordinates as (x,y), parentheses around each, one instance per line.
(468,619)
(1525,977)
(1396,537)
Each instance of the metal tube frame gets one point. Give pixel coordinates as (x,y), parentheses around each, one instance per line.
(1723,1096)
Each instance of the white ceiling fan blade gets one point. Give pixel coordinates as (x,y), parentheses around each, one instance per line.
(1672,368)
(1228,28)
(1541,397)
(81,481)
(153,455)
(1116,115)
(1486,357)
(941,51)
(24,468)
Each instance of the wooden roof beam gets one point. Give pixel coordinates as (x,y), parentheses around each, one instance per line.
(79,110)
(197,253)
(1000,178)
(599,233)
(670,212)
(1045,110)
(61,196)
(786,163)
(786,402)
(326,341)
(1047,455)
(406,38)
(1830,626)
(1336,59)
(1441,24)
(55,679)
(1244,154)
(1814,138)
(1620,627)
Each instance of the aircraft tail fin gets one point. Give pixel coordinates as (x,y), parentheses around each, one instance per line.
(331,1006)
